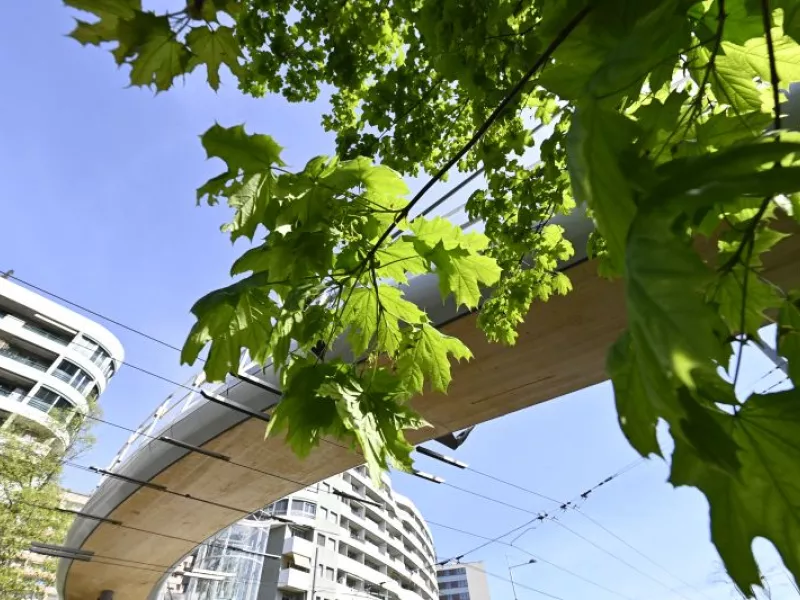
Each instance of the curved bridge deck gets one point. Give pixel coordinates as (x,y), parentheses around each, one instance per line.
(561,348)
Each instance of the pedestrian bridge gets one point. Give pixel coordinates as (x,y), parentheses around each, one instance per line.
(561,349)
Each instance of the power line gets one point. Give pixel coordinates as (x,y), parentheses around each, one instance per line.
(507,580)
(774,385)
(95,313)
(542,516)
(639,552)
(489,498)
(537,557)
(619,559)
(514,485)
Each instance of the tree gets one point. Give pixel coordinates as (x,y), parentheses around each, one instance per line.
(663,119)
(30,489)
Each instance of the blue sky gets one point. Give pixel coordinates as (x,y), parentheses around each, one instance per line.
(98,206)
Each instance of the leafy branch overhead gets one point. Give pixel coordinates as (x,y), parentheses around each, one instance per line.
(313,279)
(664,121)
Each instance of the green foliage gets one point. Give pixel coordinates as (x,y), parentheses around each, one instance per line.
(29,475)
(652,114)
(158,48)
(317,277)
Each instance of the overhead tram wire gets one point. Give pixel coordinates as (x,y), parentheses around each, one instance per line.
(541,517)
(507,580)
(537,557)
(639,552)
(621,560)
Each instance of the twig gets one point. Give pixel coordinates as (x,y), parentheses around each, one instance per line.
(540,62)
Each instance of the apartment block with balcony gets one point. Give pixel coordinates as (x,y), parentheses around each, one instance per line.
(342,539)
(53,363)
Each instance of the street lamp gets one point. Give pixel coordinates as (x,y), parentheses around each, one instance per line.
(511,573)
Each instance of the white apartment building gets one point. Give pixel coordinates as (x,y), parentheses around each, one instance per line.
(342,539)
(53,361)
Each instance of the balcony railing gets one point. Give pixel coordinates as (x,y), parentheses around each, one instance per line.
(10,393)
(39,404)
(44,333)
(63,375)
(14,355)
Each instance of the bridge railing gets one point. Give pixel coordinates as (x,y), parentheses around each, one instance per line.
(172,409)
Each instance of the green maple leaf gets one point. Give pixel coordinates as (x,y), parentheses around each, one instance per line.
(427,356)
(252,202)
(789,335)
(305,414)
(461,273)
(123,9)
(723,129)
(397,259)
(103,30)
(595,142)
(640,391)
(755,55)
(761,297)
(380,180)
(229,319)
(159,61)
(731,80)
(429,233)
(763,498)
(667,312)
(374,410)
(242,153)
(361,316)
(214,48)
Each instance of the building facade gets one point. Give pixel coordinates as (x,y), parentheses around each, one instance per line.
(342,539)
(463,581)
(53,363)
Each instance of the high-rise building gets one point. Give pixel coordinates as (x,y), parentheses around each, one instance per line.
(53,363)
(341,539)
(463,581)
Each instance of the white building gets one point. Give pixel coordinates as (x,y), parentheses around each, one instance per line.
(342,539)
(53,361)
(463,581)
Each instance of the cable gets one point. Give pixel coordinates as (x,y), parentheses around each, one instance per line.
(621,560)
(94,313)
(489,498)
(140,530)
(639,552)
(514,485)
(537,557)
(774,385)
(523,586)
(542,516)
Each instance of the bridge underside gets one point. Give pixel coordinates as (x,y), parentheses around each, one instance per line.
(561,349)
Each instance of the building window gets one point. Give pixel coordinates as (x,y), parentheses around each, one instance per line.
(48,401)
(280,507)
(326,487)
(330,574)
(96,354)
(449,572)
(331,544)
(323,513)
(304,508)
(333,517)
(321,539)
(74,375)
